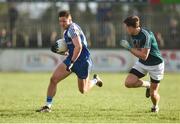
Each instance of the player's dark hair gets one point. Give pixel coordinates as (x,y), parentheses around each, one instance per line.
(64,13)
(132,21)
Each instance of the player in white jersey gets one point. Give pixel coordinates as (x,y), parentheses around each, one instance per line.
(144,46)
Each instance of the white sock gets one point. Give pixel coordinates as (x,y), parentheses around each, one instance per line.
(146,84)
(48,104)
(155,106)
(93,81)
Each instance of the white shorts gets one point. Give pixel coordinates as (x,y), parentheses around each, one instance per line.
(156,72)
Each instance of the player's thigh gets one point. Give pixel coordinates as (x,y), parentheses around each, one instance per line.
(139,69)
(156,72)
(60,73)
(135,73)
(131,79)
(82,68)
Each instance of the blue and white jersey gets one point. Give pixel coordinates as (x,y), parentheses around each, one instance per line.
(73,31)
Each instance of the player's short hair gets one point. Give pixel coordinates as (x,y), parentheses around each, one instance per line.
(132,21)
(64,13)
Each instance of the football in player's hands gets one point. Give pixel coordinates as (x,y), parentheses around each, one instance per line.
(59,47)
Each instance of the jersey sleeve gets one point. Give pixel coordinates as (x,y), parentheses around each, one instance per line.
(147,39)
(73,31)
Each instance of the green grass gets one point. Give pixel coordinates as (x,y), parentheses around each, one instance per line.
(22,93)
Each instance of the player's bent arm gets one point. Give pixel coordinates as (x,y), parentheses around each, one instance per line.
(141,53)
(77,48)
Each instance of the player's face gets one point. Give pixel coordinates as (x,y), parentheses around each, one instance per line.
(129,29)
(64,22)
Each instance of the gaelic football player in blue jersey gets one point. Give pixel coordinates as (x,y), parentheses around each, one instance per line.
(144,46)
(78,61)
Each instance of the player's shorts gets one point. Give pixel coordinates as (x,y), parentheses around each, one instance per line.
(81,68)
(156,72)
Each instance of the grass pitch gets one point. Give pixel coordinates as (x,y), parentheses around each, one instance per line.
(22,93)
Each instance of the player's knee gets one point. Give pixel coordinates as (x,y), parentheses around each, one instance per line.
(154,94)
(54,80)
(128,83)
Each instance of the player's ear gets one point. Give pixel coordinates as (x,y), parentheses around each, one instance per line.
(70,18)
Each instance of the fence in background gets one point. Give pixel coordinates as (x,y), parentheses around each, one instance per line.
(103,29)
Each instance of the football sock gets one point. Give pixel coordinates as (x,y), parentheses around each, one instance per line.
(146,84)
(155,106)
(49,101)
(93,81)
